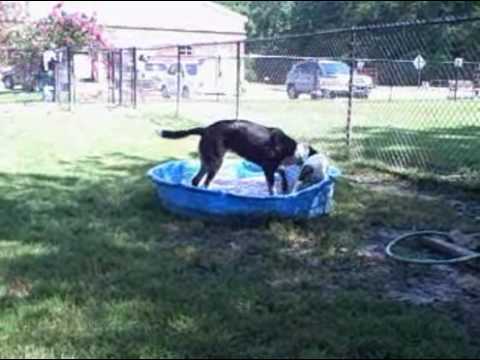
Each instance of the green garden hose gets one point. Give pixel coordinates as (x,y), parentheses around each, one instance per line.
(457,260)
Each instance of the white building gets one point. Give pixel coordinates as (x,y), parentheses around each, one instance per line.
(146,24)
(154,24)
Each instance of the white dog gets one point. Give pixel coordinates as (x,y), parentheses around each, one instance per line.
(313,171)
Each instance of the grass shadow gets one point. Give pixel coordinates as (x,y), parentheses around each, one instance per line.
(93,267)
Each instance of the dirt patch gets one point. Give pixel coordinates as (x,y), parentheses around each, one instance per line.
(453,290)
(421,284)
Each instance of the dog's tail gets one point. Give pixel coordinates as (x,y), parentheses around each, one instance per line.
(168,134)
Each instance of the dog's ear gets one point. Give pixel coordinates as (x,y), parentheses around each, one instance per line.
(311,151)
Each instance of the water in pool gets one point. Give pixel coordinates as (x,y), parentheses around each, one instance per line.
(251,186)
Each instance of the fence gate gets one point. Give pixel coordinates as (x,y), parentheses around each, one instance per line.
(122,77)
(64,76)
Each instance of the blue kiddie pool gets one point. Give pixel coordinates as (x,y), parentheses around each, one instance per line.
(239,191)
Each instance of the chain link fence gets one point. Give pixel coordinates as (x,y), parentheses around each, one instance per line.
(69,76)
(404,97)
(423,116)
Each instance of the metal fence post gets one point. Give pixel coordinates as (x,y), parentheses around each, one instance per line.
(456,84)
(350,88)
(134,77)
(218,74)
(179,78)
(114,77)
(109,81)
(237,104)
(56,71)
(120,78)
(69,77)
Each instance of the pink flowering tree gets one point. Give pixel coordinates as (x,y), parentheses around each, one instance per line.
(61,29)
(11,14)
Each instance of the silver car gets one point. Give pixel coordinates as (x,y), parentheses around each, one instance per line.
(188,80)
(325,79)
(162,76)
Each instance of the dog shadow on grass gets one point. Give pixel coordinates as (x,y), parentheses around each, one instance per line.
(145,282)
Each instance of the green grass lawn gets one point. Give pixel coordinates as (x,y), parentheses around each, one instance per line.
(425,137)
(18,97)
(91,266)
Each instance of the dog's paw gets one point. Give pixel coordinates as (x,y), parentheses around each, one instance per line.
(159,132)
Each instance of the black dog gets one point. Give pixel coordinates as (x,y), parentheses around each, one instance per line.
(270,148)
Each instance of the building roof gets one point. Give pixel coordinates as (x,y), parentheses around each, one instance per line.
(195,16)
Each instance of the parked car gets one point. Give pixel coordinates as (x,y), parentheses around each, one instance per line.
(29,77)
(325,79)
(189,80)
(162,76)
(151,77)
